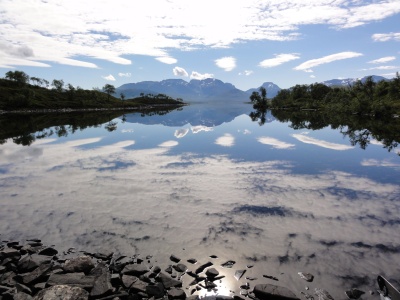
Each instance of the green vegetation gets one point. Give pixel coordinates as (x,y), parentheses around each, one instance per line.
(24,128)
(363,98)
(18,94)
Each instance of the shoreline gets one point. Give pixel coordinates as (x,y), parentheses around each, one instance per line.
(32,270)
(69,110)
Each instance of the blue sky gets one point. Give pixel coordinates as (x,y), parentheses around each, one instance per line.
(91,43)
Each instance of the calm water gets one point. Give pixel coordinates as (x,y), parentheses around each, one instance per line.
(209,181)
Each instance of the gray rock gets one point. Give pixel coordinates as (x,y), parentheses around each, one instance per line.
(62,292)
(9,252)
(174,258)
(354,293)
(156,270)
(212,272)
(102,285)
(203,267)
(306,276)
(239,274)
(180,268)
(167,281)
(192,260)
(28,263)
(322,294)
(128,280)
(23,288)
(156,291)
(270,291)
(22,296)
(79,264)
(228,264)
(72,279)
(49,251)
(139,286)
(37,275)
(135,270)
(175,293)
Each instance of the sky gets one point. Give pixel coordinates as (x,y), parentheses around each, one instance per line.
(246,43)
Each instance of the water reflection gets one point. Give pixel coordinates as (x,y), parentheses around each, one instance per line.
(254,194)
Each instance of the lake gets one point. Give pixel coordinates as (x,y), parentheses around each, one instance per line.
(207,180)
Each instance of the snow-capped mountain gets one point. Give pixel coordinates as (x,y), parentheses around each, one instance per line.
(351,81)
(209,89)
(272,89)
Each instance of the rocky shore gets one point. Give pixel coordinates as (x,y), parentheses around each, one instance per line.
(31,270)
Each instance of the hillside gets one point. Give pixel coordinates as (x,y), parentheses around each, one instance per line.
(24,96)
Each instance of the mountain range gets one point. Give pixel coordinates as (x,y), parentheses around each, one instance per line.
(211,89)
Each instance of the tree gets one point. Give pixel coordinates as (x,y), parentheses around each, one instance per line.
(109,89)
(58,84)
(21,77)
(122,96)
(259,100)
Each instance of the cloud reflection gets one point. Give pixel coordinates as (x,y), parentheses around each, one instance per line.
(321,143)
(227,140)
(180,133)
(277,144)
(199,128)
(379,163)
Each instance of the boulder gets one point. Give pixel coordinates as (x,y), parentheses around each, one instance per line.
(79,264)
(72,279)
(156,290)
(128,280)
(175,293)
(273,292)
(135,270)
(167,281)
(102,285)
(306,276)
(62,292)
(212,272)
(322,294)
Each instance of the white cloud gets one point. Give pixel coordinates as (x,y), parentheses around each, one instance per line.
(227,140)
(384,37)
(379,163)
(199,128)
(178,71)
(227,63)
(306,66)
(74,29)
(312,76)
(109,78)
(321,143)
(275,143)
(382,60)
(199,76)
(382,68)
(278,60)
(124,74)
(167,60)
(180,133)
(246,73)
(168,144)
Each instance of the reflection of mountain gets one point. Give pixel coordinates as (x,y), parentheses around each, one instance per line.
(195,114)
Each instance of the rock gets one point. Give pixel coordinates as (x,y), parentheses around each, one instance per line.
(167,281)
(102,285)
(212,272)
(239,274)
(202,267)
(156,290)
(272,292)
(180,268)
(139,286)
(9,252)
(175,293)
(322,294)
(37,275)
(62,292)
(174,258)
(306,276)
(156,269)
(354,293)
(135,270)
(213,256)
(79,264)
(23,288)
(192,260)
(72,279)
(169,270)
(22,296)
(48,251)
(28,263)
(128,280)
(228,264)
(271,277)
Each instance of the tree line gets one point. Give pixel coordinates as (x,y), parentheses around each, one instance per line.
(364,97)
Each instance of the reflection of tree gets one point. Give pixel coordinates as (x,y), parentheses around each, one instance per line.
(111,126)
(360,130)
(259,115)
